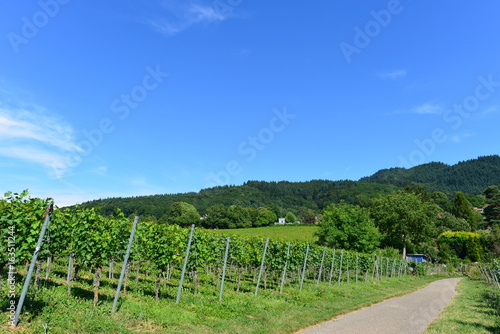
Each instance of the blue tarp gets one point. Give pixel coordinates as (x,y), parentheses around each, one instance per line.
(415,258)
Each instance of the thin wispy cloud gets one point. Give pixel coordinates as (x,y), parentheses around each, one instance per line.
(428,108)
(38,137)
(172,17)
(101,170)
(392,75)
(458,138)
(488,111)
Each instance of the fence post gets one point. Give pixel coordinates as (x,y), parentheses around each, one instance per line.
(261,266)
(186,258)
(70,270)
(283,277)
(224,268)
(340,268)
(357,272)
(304,267)
(125,263)
(321,266)
(331,268)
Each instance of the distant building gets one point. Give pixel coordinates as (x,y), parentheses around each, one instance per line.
(416,258)
(281,221)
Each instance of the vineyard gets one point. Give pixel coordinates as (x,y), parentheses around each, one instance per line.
(166,261)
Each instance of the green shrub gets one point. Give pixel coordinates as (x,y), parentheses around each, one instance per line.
(464,245)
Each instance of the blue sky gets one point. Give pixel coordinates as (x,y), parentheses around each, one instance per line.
(123,98)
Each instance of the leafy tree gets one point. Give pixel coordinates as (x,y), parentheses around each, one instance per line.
(463,209)
(448,222)
(465,245)
(309,219)
(265,217)
(492,209)
(216,217)
(491,238)
(349,227)
(183,214)
(403,217)
(441,199)
(419,190)
(290,217)
(275,209)
(239,217)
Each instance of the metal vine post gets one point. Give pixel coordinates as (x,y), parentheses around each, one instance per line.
(125,262)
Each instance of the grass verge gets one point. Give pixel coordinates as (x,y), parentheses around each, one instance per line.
(475,309)
(269,312)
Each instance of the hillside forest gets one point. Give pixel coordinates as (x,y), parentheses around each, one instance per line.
(411,210)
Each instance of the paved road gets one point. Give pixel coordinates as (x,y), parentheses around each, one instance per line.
(409,314)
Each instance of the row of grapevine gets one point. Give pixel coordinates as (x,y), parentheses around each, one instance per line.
(93,242)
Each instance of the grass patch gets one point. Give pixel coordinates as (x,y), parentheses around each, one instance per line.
(269,312)
(474,310)
(277,232)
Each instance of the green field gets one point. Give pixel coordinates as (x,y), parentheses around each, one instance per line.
(277,232)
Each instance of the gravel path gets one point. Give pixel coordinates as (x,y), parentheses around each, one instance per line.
(409,314)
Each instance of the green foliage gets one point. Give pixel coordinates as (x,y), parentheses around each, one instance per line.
(348,227)
(492,209)
(418,268)
(448,222)
(265,217)
(161,244)
(471,176)
(388,252)
(463,209)
(299,198)
(183,214)
(464,245)
(217,216)
(23,217)
(290,217)
(309,219)
(491,238)
(239,217)
(97,239)
(403,217)
(441,199)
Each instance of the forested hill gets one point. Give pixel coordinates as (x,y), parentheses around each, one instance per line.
(302,198)
(297,197)
(471,176)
